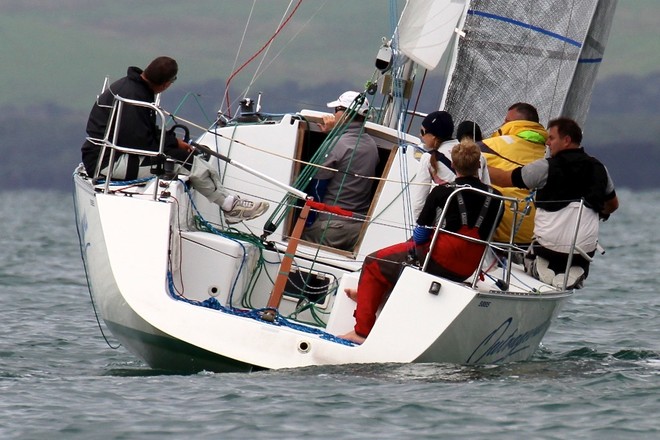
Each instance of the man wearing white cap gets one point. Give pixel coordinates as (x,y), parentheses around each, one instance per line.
(355,156)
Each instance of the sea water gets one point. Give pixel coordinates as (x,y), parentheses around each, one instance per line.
(597,375)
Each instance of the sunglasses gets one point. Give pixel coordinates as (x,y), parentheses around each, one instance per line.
(422,131)
(340,109)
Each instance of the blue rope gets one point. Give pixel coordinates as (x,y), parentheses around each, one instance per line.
(211,228)
(256,314)
(126,182)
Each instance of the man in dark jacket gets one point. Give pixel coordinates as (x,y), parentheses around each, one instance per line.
(562,180)
(139,130)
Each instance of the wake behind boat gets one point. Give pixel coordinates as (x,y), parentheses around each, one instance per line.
(185,290)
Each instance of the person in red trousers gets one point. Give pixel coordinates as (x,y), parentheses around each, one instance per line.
(470,213)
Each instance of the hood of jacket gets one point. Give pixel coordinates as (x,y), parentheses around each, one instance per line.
(528,130)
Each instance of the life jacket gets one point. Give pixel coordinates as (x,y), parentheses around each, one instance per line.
(573,175)
(516,143)
(455,257)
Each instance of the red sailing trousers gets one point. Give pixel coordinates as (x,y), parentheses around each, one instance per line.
(380,272)
(452,257)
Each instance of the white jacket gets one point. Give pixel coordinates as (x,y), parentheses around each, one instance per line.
(424,180)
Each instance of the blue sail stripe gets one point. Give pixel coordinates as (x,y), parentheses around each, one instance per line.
(590,60)
(526,26)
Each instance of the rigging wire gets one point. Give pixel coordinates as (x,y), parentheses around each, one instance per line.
(265,54)
(256,54)
(247,26)
(419,95)
(258,73)
(400,104)
(288,157)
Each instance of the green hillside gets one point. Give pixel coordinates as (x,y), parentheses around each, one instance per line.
(55,55)
(60,51)
(633,46)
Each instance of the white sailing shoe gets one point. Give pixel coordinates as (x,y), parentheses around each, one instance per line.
(541,271)
(244,209)
(575,278)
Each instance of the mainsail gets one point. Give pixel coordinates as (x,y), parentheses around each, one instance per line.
(544,52)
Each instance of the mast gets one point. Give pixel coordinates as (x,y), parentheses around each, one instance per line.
(424,33)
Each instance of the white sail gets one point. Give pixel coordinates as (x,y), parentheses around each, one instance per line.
(426,28)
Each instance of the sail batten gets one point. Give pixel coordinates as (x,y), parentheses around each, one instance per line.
(526,26)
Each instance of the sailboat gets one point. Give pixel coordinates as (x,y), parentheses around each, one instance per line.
(185,291)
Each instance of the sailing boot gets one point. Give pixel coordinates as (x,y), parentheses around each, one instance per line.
(206,181)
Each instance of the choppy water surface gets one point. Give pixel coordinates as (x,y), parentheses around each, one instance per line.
(596,376)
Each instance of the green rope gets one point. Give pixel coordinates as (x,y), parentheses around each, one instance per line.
(204,226)
(309,171)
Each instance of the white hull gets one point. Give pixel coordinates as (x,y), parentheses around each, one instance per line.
(184,292)
(138,251)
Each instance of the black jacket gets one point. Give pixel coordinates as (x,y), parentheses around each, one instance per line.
(573,175)
(473,202)
(138,127)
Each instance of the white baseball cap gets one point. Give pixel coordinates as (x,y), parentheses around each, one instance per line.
(346,100)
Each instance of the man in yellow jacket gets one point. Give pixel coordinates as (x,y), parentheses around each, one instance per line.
(519,141)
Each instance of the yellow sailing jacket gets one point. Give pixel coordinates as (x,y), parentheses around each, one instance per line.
(516,143)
